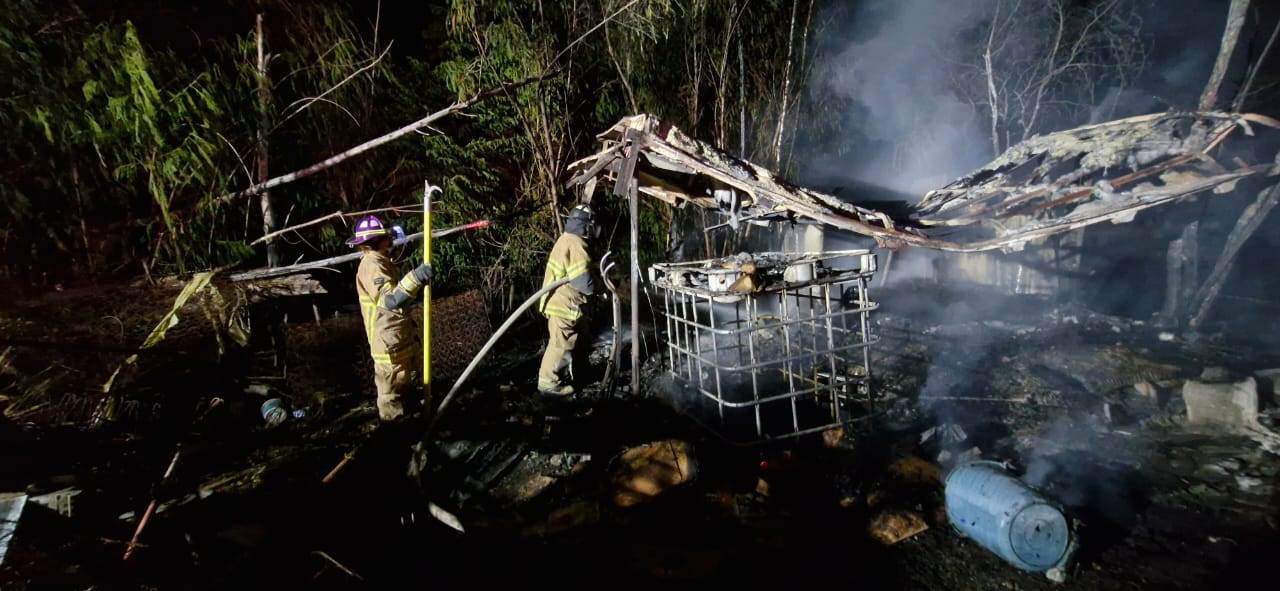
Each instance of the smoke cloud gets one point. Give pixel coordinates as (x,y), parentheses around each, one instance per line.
(894,70)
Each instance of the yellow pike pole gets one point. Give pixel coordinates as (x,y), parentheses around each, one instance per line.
(427,189)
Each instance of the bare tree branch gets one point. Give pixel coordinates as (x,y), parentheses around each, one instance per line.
(308,101)
(456,107)
(602,23)
(334,215)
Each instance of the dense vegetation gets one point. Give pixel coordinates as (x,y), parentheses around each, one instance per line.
(126,122)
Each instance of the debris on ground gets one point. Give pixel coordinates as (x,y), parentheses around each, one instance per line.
(58,501)
(11,506)
(646,471)
(1229,405)
(949,434)
(891,527)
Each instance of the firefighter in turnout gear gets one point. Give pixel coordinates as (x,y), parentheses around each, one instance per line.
(565,306)
(391,331)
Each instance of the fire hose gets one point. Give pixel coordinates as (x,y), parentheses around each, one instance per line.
(457,385)
(611,370)
(484,351)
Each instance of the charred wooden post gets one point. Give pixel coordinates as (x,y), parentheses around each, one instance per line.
(1182,274)
(1248,223)
(626,186)
(1070,258)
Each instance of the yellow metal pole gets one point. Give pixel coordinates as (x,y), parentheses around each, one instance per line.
(426,292)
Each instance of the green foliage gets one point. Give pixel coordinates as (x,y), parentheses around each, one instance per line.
(99,131)
(123,135)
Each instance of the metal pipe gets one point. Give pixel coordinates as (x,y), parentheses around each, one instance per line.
(697,339)
(715,347)
(730,331)
(843,277)
(767,399)
(753,311)
(766,364)
(866,337)
(671,333)
(690,336)
(786,341)
(831,356)
(484,351)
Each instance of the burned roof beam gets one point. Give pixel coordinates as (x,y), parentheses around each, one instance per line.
(1040,187)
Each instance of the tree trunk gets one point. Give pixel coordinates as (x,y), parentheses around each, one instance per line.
(269,223)
(1230,37)
(622,74)
(695,73)
(786,90)
(993,98)
(722,68)
(742,104)
(803,73)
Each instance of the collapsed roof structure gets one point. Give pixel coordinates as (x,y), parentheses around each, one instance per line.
(1044,186)
(1040,187)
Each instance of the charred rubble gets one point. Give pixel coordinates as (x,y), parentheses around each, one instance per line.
(800,404)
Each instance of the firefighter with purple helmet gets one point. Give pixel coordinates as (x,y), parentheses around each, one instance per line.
(390,330)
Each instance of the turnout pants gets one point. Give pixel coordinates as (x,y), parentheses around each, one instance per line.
(559,354)
(396,390)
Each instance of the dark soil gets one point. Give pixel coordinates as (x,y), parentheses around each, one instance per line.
(1160,506)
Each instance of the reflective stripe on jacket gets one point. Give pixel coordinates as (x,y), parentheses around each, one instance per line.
(391,333)
(568,260)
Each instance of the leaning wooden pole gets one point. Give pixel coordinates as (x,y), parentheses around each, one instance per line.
(1246,225)
(346,258)
(456,107)
(151,507)
(154,505)
(1236,15)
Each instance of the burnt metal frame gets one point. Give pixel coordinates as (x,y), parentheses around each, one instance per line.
(819,356)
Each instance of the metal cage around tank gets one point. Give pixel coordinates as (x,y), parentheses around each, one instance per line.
(775,344)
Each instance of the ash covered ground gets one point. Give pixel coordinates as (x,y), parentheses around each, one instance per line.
(620,490)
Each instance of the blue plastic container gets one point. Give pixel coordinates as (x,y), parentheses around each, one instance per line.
(1004,515)
(274,412)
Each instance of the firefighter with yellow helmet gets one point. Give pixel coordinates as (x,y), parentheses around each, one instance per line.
(565,306)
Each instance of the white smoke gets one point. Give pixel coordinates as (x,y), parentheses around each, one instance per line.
(897,72)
